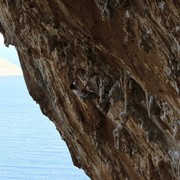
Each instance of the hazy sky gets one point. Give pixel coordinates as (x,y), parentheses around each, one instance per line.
(9,53)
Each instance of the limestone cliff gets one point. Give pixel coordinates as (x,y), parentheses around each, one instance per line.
(128,52)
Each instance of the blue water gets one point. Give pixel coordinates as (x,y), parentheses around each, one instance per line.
(30,146)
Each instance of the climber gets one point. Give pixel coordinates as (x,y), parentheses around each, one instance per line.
(83,93)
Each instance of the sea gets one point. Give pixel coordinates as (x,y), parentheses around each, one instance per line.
(30,146)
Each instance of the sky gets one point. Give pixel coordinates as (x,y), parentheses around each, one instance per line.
(8,53)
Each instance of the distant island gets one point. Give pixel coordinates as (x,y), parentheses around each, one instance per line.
(9,69)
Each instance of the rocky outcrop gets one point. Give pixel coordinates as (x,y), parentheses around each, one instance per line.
(9,69)
(128,52)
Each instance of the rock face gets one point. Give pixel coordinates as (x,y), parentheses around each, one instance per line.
(126,51)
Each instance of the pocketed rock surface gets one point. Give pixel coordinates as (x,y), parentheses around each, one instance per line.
(128,52)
